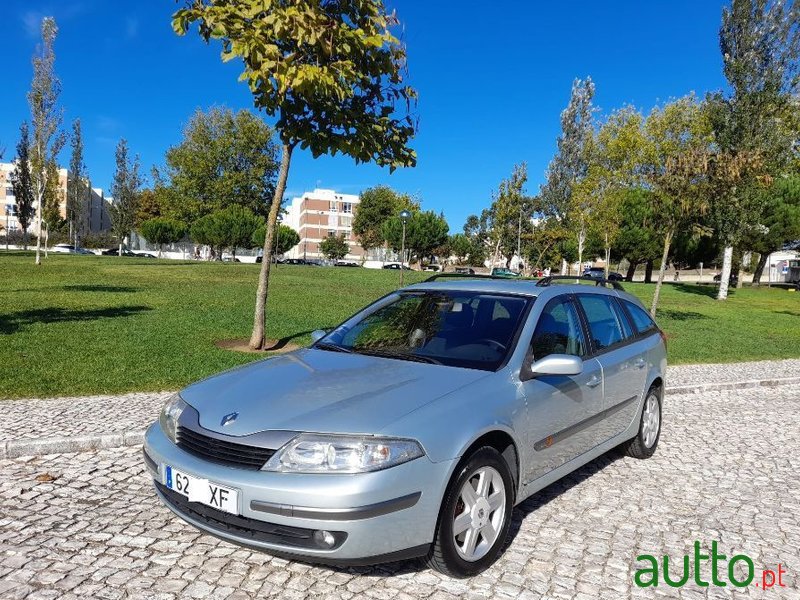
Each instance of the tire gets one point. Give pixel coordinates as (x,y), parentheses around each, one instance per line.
(486,524)
(646,441)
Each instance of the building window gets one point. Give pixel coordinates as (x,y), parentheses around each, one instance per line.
(347,207)
(333,205)
(331,233)
(9,191)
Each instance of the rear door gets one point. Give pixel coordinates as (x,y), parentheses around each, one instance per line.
(562,411)
(622,356)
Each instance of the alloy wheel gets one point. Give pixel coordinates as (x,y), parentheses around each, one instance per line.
(479,514)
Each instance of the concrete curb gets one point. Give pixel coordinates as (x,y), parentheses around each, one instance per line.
(84,443)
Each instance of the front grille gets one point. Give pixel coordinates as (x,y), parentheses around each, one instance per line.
(245,528)
(221,451)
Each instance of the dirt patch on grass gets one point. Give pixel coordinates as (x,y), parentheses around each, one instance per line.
(242,345)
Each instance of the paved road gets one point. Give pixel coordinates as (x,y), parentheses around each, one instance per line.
(726,471)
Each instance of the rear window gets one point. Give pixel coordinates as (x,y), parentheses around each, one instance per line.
(641,318)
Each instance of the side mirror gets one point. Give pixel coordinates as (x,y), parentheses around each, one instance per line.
(554,364)
(317,335)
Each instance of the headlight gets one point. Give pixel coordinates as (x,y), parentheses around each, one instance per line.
(314,453)
(169,416)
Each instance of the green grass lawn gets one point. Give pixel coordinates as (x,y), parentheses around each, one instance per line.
(84,325)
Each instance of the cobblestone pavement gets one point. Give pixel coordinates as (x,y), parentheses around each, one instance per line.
(98,415)
(726,471)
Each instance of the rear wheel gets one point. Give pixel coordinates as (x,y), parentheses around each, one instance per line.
(646,440)
(475,516)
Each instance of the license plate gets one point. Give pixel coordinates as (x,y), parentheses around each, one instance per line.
(197,489)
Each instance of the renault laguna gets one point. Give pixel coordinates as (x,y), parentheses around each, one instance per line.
(413,428)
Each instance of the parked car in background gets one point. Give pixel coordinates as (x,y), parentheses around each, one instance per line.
(345,263)
(126,252)
(70,249)
(434,268)
(397,267)
(465,271)
(506,273)
(733,280)
(414,427)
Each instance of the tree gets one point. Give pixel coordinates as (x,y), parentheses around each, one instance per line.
(569,166)
(46,119)
(286,238)
(756,125)
(638,240)
(378,204)
(22,184)
(425,231)
(51,202)
(224,159)
(162,230)
(76,183)
(150,206)
(232,227)
(675,153)
(779,223)
(509,215)
(125,191)
(330,73)
(334,247)
(460,247)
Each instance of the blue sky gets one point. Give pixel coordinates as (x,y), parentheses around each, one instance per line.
(492,82)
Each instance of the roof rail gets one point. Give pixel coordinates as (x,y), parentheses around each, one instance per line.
(471,276)
(546,281)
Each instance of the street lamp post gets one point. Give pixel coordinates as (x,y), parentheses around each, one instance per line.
(404,217)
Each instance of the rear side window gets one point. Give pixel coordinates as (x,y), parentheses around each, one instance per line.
(606,325)
(641,319)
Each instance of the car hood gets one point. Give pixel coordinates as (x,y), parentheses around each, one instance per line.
(321,391)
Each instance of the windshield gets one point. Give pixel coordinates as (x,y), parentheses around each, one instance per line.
(462,329)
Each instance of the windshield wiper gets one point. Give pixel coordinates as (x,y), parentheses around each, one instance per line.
(332,347)
(399,355)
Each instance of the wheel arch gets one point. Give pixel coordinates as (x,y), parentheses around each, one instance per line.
(502,440)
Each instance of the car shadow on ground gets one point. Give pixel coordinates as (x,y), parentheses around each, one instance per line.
(13,322)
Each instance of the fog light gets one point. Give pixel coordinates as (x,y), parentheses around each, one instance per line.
(324,538)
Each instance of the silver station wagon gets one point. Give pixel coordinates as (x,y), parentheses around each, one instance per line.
(413,428)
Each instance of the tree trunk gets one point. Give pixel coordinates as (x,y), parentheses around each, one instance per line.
(260,317)
(631,271)
(608,257)
(648,271)
(724,277)
(739,277)
(46,238)
(762,262)
(119,250)
(39,229)
(564,266)
(661,271)
(581,240)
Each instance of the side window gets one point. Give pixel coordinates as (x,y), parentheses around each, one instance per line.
(641,318)
(558,331)
(605,322)
(627,332)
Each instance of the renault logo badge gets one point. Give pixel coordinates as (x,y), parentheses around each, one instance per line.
(228,419)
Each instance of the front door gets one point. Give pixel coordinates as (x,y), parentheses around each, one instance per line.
(562,413)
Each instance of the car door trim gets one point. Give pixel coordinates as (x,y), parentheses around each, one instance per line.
(568,432)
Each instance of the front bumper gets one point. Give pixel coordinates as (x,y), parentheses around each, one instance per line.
(375,517)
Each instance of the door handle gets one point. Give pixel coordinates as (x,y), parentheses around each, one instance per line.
(594,381)
(640,363)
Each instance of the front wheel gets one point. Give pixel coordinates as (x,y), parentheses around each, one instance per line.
(475,516)
(646,440)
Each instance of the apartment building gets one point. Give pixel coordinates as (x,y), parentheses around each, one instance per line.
(94,214)
(320,214)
